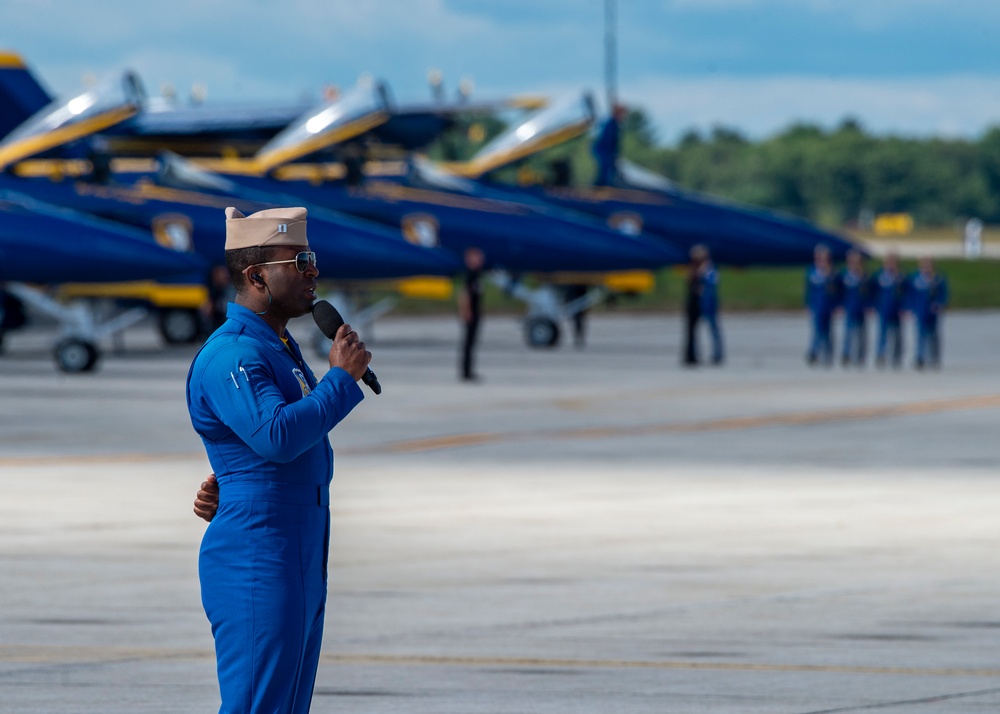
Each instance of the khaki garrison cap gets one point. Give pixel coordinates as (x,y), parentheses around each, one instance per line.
(274,226)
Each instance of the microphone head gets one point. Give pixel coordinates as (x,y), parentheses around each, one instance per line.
(327,318)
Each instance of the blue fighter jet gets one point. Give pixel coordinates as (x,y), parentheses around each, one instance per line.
(44,245)
(186,220)
(515,237)
(641,200)
(433,209)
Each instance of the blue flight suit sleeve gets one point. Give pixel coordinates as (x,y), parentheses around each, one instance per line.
(239,386)
(871,292)
(710,292)
(606,144)
(942,293)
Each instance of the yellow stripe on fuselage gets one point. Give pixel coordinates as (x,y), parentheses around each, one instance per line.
(11,60)
(620,281)
(395,192)
(143,191)
(600,194)
(158,294)
(425,287)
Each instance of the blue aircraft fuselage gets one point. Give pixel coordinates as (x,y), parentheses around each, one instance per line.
(734,234)
(513,235)
(45,244)
(348,249)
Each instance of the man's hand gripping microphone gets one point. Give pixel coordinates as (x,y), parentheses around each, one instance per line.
(329,321)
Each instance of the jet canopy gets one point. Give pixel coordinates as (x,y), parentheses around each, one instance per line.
(549,127)
(174,171)
(634,176)
(362,108)
(424,173)
(92,111)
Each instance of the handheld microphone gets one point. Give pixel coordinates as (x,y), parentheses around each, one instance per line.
(329,321)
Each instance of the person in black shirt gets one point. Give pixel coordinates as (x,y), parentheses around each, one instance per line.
(469,309)
(692,305)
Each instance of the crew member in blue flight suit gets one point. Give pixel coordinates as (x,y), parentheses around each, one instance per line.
(701,303)
(605,147)
(821,299)
(889,291)
(264,419)
(708,277)
(927,296)
(854,290)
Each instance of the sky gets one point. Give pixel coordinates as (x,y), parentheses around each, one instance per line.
(904,67)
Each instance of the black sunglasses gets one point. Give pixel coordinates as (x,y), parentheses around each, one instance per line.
(302,261)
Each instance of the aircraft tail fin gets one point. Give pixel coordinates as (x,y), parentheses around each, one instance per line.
(21,95)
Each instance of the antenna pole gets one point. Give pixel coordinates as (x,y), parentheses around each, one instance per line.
(610,52)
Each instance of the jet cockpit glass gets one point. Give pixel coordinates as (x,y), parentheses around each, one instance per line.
(549,127)
(362,108)
(426,174)
(174,171)
(94,110)
(634,176)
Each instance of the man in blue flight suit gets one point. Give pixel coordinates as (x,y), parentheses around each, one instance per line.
(854,290)
(889,290)
(708,279)
(927,296)
(264,419)
(605,147)
(701,303)
(821,299)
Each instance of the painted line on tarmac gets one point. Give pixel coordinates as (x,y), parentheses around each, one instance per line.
(933,699)
(556,663)
(90,459)
(455,441)
(53,654)
(808,418)
(69,654)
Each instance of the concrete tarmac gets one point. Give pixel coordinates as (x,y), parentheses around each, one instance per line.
(596,530)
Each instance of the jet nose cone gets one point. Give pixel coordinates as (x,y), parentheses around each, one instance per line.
(48,245)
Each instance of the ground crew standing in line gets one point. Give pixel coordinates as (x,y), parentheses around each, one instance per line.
(821,299)
(927,296)
(889,292)
(854,290)
(470,309)
(264,419)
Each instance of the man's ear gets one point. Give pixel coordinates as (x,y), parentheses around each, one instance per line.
(253,276)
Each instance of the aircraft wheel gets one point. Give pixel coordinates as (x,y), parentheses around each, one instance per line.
(75,355)
(179,326)
(541,332)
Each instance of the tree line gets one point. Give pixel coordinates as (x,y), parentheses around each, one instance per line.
(831,177)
